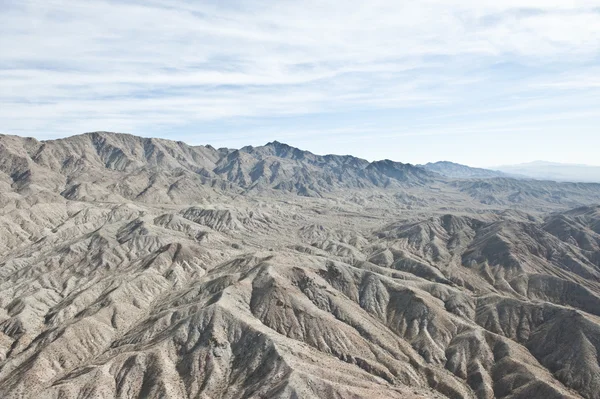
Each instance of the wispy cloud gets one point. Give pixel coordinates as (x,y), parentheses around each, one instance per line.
(172,66)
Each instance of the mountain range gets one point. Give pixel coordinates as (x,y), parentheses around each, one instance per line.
(138,267)
(543,170)
(458,171)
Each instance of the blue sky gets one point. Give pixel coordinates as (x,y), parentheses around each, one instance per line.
(478,82)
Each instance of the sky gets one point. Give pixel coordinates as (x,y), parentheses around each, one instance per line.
(480,82)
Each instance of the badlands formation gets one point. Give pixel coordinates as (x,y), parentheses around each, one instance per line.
(147,268)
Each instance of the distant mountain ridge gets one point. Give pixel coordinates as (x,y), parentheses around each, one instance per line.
(537,170)
(458,171)
(543,170)
(114,167)
(272,166)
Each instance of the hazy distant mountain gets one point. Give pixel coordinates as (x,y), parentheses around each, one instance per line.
(458,171)
(554,171)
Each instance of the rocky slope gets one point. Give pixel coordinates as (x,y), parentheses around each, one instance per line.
(134,267)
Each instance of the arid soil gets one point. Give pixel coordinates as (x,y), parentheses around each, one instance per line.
(147,268)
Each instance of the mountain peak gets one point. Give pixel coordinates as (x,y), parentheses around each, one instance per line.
(276,143)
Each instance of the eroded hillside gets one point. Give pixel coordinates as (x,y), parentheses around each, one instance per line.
(134,267)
